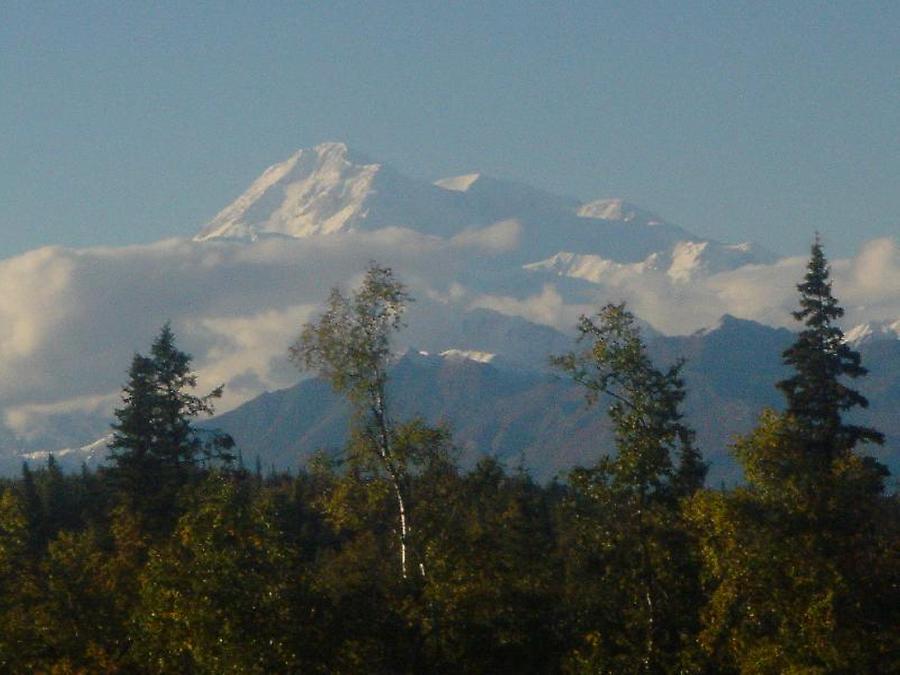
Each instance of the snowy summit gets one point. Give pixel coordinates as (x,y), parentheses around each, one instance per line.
(330,189)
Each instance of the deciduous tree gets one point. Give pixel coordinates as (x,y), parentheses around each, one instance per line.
(350,346)
(624,516)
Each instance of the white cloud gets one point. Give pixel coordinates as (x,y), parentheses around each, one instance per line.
(33,285)
(500,237)
(71,319)
(25,420)
(547,307)
(248,352)
(868,286)
(870,283)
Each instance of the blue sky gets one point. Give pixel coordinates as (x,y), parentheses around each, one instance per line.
(129,122)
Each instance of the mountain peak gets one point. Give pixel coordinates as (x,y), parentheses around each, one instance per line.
(329,189)
(330,147)
(315,190)
(873,331)
(617,209)
(458,183)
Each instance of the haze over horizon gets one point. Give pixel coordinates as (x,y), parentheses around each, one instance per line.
(125,124)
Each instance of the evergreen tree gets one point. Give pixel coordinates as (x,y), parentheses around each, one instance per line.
(816,397)
(800,564)
(155,446)
(34,510)
(57,501)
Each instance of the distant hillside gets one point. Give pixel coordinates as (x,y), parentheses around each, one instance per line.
(495,266)
(524,415)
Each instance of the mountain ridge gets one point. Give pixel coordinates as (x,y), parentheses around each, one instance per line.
(526,414)
(499,268)
(330,188)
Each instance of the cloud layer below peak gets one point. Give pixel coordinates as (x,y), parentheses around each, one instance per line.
(71,319)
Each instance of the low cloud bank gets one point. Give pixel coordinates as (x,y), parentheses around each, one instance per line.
(71,319)
(867,285)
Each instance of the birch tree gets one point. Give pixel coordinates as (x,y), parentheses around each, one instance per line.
(350,346)
(625,511)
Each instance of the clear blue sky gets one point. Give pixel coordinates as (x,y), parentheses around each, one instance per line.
(128,122)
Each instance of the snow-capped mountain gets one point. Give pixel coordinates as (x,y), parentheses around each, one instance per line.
(618,209)
(330,189)
(468,355)
(592,268)
(873,331)
(92,454)
(685,261)
(500,272)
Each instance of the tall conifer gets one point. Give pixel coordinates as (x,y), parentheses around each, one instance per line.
(816,396)
(154,445)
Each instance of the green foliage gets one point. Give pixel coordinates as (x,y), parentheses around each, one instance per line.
(297,575)
(155,447)
(623,518)
(816,397)
(784,597)
(16,581)
(800,566)
(350,346)
(78,612)
(169,563)
(223,594)
(655,450)
(492,584)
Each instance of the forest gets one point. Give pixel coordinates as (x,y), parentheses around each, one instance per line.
(181,556)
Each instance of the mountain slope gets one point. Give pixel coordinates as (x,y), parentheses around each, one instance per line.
(329,189)
(550,258)
(521,413)
(509,413)
(525,415)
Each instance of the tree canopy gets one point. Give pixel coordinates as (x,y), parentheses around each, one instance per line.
(170,561)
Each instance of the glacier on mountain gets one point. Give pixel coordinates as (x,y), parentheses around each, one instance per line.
(497,267)
(330,189)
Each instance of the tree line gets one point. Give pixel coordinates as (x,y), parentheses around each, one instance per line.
(388,557)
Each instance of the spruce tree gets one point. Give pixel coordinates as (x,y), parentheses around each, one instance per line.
(800,562)
(155,447)
(816,396)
